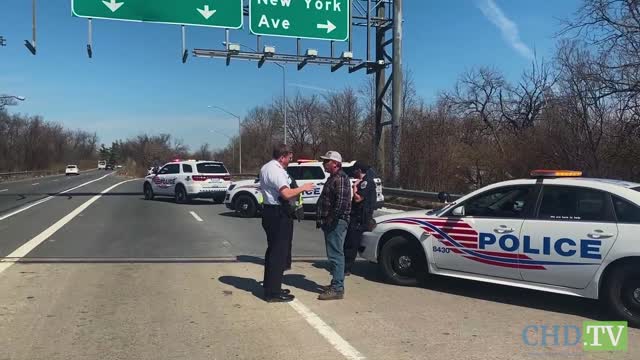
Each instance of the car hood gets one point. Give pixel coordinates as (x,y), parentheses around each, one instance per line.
(404,214)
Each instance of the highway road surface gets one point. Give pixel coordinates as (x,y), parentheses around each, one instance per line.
(91,270)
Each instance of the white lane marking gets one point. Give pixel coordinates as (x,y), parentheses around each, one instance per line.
(27,247)
(54,180)
(48,198)
(327,332)
(3,190)
(34,184)
(195,216)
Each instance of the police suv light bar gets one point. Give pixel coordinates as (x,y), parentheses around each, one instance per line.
(555,173)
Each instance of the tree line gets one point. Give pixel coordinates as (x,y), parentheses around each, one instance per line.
(30,143)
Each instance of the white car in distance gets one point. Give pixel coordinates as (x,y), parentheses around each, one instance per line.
(72,170)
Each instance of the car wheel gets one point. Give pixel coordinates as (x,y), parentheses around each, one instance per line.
(181,195)
(245,206)
(622,293)
(148,192)
(402,261)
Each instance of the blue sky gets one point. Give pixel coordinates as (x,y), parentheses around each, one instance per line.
(137,83)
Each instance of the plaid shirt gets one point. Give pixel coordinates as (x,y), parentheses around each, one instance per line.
(335,200)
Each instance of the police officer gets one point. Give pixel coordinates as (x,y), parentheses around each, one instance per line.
(277,221)
(364,201)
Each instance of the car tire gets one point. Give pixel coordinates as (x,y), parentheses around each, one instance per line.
(402,261)
(181,195)
(245,206)
(622,293)
(148,192)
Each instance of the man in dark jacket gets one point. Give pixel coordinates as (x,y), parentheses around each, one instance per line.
(364,201)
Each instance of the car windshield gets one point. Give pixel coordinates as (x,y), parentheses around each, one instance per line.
(637,188)
(211,168)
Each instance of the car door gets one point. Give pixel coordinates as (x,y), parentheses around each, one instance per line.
(309,174)
(164,183)
(481,235)
(572,232)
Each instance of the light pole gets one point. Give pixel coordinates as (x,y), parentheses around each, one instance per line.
(284,87)
(233,146)
(239,133)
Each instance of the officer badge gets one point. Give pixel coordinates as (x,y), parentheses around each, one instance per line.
(363,185)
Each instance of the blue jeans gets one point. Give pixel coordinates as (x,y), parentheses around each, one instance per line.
(334,240)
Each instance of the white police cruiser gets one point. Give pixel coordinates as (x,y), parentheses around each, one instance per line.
(190,179)
(557,232)
(244,197)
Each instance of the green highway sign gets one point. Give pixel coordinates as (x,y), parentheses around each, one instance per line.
(212,13)
(310,19)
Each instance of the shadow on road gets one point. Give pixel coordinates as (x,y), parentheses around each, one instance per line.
(233,214)
(540,300)
(301,282)
(247,284)
(254,287)
(197,202)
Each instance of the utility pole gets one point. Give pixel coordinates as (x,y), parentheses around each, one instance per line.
(380,90)
(396,105)
(389,18)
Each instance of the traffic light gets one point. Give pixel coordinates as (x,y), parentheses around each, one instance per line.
(3,41)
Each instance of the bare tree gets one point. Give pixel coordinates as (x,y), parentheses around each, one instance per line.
(476,95)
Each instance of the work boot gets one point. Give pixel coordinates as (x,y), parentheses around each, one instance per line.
(331,294)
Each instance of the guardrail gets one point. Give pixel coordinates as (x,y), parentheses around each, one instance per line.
(420,195)
(9,175)
(387,191)
(27,174)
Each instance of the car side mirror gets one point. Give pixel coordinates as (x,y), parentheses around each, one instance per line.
(459,211)
(155,172)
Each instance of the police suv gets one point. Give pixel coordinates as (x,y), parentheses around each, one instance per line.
(245,198)
(186,180)
(557,232)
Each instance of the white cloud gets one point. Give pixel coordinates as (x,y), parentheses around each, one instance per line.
(309,87)
(507,27)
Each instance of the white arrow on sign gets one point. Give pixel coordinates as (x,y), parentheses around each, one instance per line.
(329,26)
(206,12)
(113,5)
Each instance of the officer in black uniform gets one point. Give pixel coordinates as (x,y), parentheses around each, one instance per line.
(364,201)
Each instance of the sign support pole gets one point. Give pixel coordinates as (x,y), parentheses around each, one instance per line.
(31,46)
(90,38)
(185,53)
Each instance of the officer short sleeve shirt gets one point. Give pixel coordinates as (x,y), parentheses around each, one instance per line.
(273,177)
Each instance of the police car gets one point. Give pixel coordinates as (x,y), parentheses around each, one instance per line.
(557,232)
(245,198)
(186,180)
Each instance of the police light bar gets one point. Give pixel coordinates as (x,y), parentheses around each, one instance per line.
(300,161)
(555,173)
